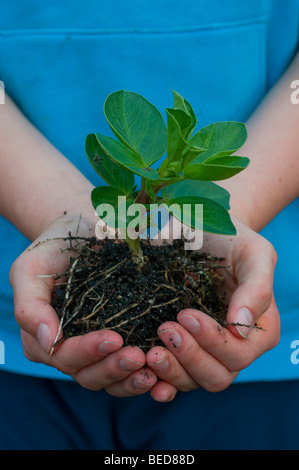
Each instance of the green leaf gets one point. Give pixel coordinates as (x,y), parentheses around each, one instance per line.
(216,169)
(181,103)
(116,215)
(125,157)
(105,195)
(177,153)
(203,189)
(183,120)
(216,219)
(111,172)
(176,144)
(190,154)
(137,124)
(220,138)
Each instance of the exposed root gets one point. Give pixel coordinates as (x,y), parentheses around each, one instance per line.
(105,289)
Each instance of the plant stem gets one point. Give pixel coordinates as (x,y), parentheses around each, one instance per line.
(137,253)
(143,196)
(168,182)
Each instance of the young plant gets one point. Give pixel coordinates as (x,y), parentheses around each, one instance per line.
(191,164)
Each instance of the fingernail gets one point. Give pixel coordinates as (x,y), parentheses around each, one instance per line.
(245,320)
(140,384)
(107,347)
(190,323)
(128,365)
(161,365)
(171,336)
(168,397)
(43,335)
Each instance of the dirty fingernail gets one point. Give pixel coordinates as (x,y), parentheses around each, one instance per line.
(171,336)
(161,365)
(245,319)
(43,336)
(141,384)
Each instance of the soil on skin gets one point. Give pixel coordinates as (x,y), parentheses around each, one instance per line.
(104,289)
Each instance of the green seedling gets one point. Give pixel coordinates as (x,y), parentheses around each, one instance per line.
(190,162)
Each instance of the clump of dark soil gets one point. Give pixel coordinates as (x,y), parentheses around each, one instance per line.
(105,289)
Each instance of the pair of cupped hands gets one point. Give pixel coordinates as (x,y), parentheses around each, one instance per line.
(205,354)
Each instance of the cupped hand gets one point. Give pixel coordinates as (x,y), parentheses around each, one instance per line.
(96,360)
(199,351)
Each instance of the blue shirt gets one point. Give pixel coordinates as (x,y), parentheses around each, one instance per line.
(59,60)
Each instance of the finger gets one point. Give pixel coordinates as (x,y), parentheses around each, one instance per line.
(167,368)
(137,383)
(197,363)
(32,283)
(163,392)
(254,266)
(234,353)
(38,319)
(113,368)
(74,353)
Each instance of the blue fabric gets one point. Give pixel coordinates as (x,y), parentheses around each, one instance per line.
(60,415)
(59,61)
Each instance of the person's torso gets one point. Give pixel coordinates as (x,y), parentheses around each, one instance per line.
(60,59)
